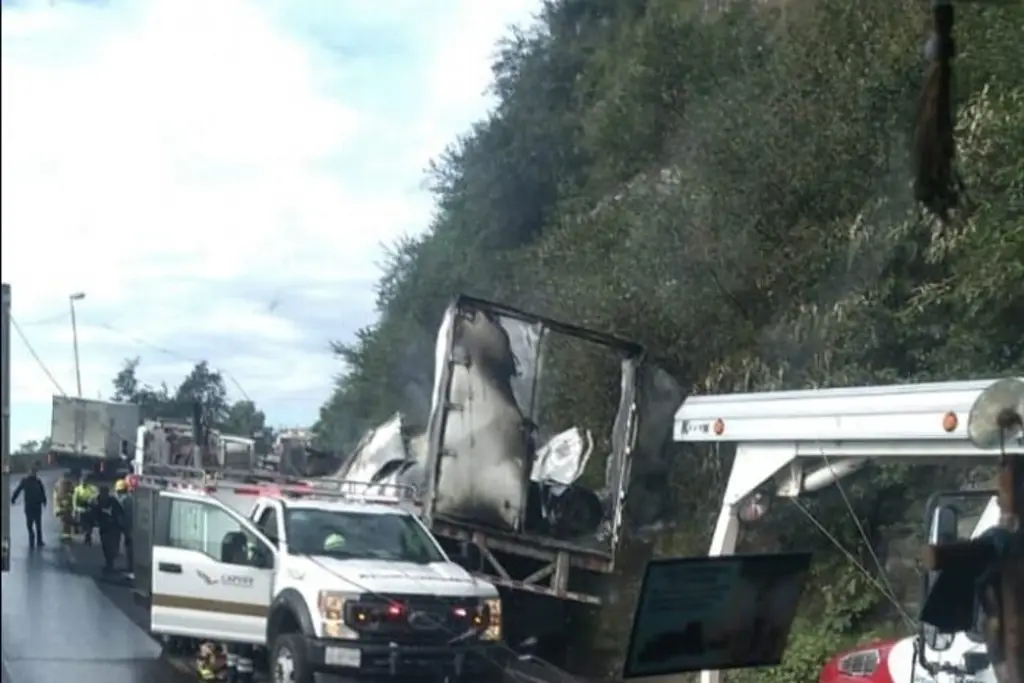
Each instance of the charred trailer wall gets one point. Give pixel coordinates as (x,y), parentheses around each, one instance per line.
(598,635)
(531,425)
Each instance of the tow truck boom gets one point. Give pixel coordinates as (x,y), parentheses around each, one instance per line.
(789,442)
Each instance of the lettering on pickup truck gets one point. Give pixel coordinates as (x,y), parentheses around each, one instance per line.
(237,580)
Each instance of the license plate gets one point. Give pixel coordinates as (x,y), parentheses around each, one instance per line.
(342,656)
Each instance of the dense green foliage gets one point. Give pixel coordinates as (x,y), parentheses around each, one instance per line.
(731,189)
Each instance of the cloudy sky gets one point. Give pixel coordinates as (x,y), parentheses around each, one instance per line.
(218,178)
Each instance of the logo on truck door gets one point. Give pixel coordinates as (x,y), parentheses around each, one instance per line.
(237,580)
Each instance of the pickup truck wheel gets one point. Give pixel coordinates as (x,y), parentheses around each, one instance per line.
(289,662)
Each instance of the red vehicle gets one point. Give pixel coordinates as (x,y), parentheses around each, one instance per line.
(868,663)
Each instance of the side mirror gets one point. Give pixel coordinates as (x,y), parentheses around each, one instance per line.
(935,640)
(262,558)
(944,525)
(469,556)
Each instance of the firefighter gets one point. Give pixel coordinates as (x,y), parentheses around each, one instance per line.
(123,491)
(63,507)
(82,499)
(109,517)
(334,542)
(211,662)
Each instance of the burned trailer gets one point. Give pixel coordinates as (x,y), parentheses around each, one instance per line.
(521,470)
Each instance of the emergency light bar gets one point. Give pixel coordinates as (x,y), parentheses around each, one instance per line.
(263,484)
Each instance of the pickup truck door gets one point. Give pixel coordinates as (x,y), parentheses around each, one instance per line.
(213,573)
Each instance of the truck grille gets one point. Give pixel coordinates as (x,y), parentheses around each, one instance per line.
(423,619)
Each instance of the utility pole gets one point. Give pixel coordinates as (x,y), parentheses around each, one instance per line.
(1011,493)
(994,563)
(77,296)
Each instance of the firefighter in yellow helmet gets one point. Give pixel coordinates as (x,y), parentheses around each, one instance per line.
(211,661)
(85,493)
(63,506)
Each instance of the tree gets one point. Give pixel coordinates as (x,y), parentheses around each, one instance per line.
(203,386)
(244,418)
(152,402)
(34,447)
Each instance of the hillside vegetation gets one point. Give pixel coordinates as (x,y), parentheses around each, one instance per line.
(730,188)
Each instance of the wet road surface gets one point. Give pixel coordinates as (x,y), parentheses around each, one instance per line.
(59,625)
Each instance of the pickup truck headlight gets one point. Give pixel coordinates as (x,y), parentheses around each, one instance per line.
(492,614)
(860,664)
(331,605)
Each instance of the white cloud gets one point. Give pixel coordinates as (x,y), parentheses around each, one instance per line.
(218,178)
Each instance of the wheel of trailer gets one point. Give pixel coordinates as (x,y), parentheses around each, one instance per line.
(288,661)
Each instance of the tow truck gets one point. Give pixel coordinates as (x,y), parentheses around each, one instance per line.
(788,443)
(319,578)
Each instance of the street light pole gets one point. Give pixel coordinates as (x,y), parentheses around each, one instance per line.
(77,296)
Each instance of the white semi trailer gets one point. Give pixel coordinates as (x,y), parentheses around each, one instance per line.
(93,435)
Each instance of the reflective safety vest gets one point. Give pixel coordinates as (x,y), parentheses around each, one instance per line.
(62,497)
(83,495)
(210,662)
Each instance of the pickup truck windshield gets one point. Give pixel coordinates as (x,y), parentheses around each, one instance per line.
(359,535)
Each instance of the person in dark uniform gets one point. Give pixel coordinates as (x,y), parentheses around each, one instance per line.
(123,493)
(35,501)
(108,515)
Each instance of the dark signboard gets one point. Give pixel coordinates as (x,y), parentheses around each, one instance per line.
(714,613)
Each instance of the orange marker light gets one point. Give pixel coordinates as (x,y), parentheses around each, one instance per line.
(950,422)
(718,427)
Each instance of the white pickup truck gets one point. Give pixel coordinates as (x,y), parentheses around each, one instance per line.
(326,582)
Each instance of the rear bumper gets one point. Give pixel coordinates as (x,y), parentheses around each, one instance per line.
(476,663)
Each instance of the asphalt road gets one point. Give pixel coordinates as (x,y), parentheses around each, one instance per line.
(59,624)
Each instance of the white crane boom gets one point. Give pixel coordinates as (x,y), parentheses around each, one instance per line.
(831,431)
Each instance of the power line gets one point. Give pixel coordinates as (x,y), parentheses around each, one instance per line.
(175,354)
(57,317)
(39,361)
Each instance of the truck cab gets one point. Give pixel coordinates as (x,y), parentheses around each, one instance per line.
(929,656)
(331,585)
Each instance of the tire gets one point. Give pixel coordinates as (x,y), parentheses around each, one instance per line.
(289,660)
